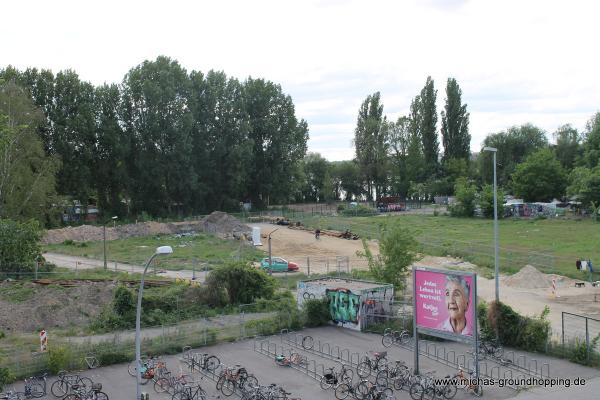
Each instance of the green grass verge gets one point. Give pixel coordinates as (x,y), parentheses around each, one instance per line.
(188,251)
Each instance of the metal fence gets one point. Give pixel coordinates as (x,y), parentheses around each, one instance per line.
(579,330)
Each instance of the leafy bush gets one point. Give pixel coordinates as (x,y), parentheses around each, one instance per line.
(6,377)
(513,329)
(316,312)
(19,245)
(242,283)
(486,201)
(2,334)
(59,358)
(114,357)
(465,192)
(123,301)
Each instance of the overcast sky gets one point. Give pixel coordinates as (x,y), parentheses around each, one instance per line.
(516,61)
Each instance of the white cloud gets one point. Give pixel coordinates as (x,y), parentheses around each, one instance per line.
(516,61)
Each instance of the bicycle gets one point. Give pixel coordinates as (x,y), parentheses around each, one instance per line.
(81,393)
(378,393)
(391,337)
(467,383)
(294,358)
(62,386)
(233,377)
(10,395)
(167,382)
(188,393)
(399,374)
(92,361)
(206,362)
(420,384)
(345,375)
(358,391)
(35,386)
(308,342)
(490,348)
(367,365)
(148,369)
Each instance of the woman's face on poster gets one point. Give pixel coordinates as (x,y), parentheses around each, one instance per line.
(456,300)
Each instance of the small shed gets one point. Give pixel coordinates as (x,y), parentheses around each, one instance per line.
(351,302)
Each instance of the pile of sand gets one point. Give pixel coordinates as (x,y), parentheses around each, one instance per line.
(224,225)
(219,223)
(530,278)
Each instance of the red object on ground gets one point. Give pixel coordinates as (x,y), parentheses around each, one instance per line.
(293,266)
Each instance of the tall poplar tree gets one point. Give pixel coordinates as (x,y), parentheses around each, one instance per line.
(455,124)
(428,127)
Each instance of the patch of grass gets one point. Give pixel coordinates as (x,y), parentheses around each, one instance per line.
(551,245)
(16,293)
(197,251)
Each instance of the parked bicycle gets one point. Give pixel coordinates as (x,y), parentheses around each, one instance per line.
(10,395)
(358,391)
(367,365)
(82,393)
(391,337)
(397,375)
(64,382)
(190,392)
(35,386)
(168,382)
(420,384)
(468,382)
(490,348)
(376,392)
(333,378)
(293,359)
(148,368)
(233,377)
(92,361)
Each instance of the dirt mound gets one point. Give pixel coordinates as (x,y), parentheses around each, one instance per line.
(530,278)
(224,225)
(27,307)
(219,223)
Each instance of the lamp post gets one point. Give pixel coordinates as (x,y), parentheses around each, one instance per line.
(494,150)
(104,236)
(159,251)
(270,258)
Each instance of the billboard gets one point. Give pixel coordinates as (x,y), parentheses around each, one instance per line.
(445,301)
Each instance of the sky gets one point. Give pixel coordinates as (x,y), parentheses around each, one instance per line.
(516,61)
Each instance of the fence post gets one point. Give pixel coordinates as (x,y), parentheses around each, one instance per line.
(308,265)
(562,322)
(36,269)
(587,340)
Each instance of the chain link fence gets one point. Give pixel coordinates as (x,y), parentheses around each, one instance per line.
(583,333)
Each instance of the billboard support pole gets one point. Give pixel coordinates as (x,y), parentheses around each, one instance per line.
(476,328)
(415,330)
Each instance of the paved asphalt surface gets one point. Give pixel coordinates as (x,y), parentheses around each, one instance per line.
(121,386)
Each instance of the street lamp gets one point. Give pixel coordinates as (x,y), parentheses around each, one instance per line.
(494,150)
(159,251)
(270,258)
(104,235)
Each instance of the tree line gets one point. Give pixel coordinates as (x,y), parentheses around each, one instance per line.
(163,141)
(403,157)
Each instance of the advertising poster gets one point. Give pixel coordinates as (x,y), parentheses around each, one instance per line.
(445,301)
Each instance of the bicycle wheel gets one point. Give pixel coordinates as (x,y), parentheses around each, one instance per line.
(498,352)
(85,382)
(327,381)
(220,382)
(387,340)
(212,363)
(449,391)
(381,379)
(250,382)
(405,338)
(37,389)
(382,364)
(308,342)
(132,367)
(72,396)
(101,396)
(399,382)
(478,391)
(416,391)
(342,391)
(59,388)
(161,385)
(364,369)
(387,394)
(92,362)
(347,376)
(227,387)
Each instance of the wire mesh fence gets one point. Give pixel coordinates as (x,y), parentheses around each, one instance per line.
(581,331)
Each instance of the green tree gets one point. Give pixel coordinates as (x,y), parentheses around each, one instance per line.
(348,174)
(399,141)
(243,283)
(455,124)
(513,145)
(591,145)
(415,160)
(19,245)
(370,142)
(584,185)
(318,180)
(486,201)
(540,177)
(278,141)
(568,145)
(428,127)
(27,183)
(123,301)
(398,250)
(466,195)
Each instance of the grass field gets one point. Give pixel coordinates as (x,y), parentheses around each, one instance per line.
(189,251)
(551,245)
